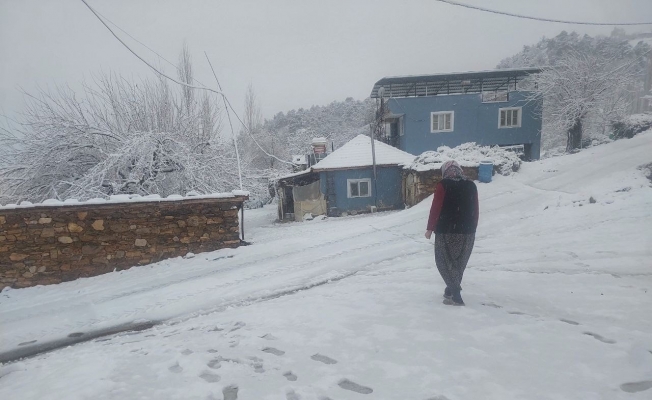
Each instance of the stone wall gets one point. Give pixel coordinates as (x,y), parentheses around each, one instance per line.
(418,185)
(43,245)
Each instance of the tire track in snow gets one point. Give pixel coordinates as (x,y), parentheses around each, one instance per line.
(45,347)
(255,262)
(248,279)
(84,301)
(201,275)
(127,314)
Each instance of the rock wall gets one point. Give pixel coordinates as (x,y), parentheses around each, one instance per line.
(43,245)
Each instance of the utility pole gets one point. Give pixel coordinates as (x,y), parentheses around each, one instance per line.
(373,160)
(378,128)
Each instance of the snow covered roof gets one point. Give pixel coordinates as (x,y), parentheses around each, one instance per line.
(357,153)
(126,198)
(295,174)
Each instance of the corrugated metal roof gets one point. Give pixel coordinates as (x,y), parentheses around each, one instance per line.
(452,83)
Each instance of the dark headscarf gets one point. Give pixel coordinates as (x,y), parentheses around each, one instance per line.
(452,170)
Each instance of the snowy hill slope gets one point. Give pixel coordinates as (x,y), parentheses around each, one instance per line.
(558,292)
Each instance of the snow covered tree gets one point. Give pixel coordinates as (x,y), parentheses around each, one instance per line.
(588,82)
(339,122)
(582,87)
(117,137)
(261,148)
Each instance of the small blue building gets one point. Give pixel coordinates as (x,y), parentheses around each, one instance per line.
(488,108)
(347,177)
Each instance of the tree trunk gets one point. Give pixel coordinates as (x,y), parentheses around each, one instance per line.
(574,135)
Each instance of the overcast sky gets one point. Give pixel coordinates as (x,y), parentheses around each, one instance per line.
(296,53)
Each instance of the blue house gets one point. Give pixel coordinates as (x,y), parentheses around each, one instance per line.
(488,107)
(347,181)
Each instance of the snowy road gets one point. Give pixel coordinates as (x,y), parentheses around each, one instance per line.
(558,295)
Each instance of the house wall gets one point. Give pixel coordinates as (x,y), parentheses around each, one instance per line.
(474,121)
(50,244)
(387,194)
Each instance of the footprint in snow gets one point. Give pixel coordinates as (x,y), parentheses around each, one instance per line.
(176,368)
(258,368)
(290,376)
(186,352)
(635,387)
(516,313)
(212,351)
(600,338)
(494,305)
(291,395)
(274,351)
(569,321)
(237,326)
(210,377)
(323,358)
(354,387)
(214,364)
(257,364)
(268,336)
(230,392)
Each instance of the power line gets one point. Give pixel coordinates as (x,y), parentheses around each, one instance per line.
(142,59)
(228,115)
(146,46)
(560,21)
(181,83)
(253,138)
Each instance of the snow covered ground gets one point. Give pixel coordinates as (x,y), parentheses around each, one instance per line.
(558,293)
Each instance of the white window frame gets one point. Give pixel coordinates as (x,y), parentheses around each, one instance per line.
(452,113)
(348,187)
(520,115)
(399,125)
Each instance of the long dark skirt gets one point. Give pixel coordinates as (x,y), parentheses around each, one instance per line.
(452,253)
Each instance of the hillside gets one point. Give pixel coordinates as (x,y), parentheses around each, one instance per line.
(339,121)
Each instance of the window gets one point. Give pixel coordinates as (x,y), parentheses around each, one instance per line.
(359,188)
(442,121)
(509,118)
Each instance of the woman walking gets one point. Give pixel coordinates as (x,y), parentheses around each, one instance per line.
(454,219)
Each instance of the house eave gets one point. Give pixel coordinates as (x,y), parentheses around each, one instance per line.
(354,167)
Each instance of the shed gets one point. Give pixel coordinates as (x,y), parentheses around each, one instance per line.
(347,177)
(299,194)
